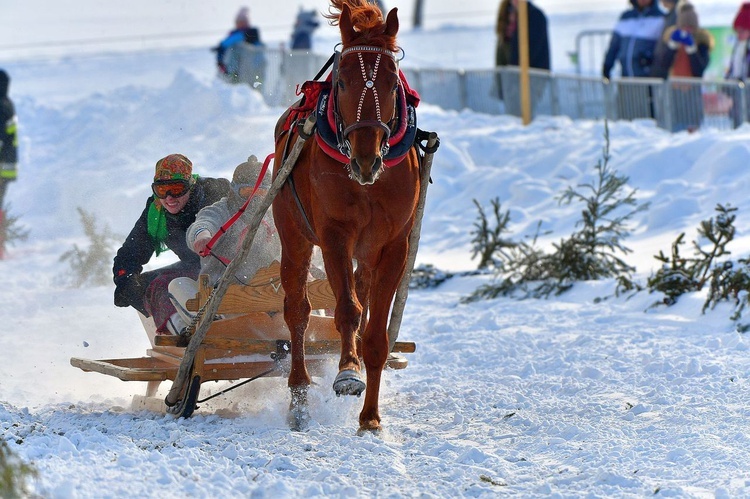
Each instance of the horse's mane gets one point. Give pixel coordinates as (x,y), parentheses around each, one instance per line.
(367,20)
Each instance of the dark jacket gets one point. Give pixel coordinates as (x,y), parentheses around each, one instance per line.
(538,40)
(633,42)
(138,247)
(8,137)
(662,56)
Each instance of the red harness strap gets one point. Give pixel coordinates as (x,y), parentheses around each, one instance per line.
(207,250)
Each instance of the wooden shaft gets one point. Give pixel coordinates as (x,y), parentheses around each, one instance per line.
(402,292)
(213,303)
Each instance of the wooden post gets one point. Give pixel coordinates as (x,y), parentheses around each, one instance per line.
(523,60)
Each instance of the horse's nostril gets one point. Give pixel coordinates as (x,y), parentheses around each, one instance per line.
(355,166)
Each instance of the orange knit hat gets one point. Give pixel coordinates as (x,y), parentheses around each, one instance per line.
(174,167)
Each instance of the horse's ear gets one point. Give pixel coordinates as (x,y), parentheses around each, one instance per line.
(391,22)
(345,24)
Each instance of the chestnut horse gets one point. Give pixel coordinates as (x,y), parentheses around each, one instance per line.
(357,208)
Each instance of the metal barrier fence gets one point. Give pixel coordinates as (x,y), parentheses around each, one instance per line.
(675,104)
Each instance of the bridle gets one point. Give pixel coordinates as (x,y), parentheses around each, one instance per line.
(342,131)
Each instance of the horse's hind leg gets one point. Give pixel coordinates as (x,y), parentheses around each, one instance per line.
(295,262)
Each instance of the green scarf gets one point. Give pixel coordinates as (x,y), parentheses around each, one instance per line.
(157,226)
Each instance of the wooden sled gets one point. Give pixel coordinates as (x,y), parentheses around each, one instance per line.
(250,341)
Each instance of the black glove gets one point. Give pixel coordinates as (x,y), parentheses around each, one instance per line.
(129,291)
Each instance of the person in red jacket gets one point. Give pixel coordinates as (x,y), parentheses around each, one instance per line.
(739,63)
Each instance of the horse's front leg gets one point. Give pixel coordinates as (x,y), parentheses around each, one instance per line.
(295,262)
(362,279)
(386,278)
(337,255)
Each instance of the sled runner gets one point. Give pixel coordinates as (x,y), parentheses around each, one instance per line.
(250,341)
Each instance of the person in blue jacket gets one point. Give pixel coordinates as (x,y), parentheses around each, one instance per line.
(634,40)
(243,32)
(633,45)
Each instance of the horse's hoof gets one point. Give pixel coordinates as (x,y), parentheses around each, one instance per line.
(298,418)
(349,382)
(372,430)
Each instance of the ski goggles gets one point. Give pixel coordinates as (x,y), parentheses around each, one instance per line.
(174,188)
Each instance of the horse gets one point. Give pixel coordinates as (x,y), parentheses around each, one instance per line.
(354,203)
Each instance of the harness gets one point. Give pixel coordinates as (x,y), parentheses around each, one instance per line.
(330,134)
(320,97)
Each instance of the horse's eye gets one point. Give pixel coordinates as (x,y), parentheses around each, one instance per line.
(395,87)
(340,84)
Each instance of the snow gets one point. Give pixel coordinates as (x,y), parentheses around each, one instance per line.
(562,397)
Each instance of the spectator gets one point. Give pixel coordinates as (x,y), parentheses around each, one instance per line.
(632,44)
(688,53)
(177,197)
(739,63)
(8,140)
(265,248)
(506,29)
(660,67)
(304,27)
(227,55)
(634,40)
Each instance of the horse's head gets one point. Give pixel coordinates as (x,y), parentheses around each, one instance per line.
(365,85)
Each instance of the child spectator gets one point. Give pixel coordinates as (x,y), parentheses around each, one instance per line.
(688,55)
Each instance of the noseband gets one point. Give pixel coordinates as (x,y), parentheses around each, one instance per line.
(343,132)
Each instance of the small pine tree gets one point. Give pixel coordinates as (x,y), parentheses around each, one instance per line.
(675,277)
(591,253)
(10,230)
(14,474)
(487,241)
(679,275)
(93,266)
(428,276)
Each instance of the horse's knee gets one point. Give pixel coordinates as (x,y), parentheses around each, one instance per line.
(348,316)
(296,310)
